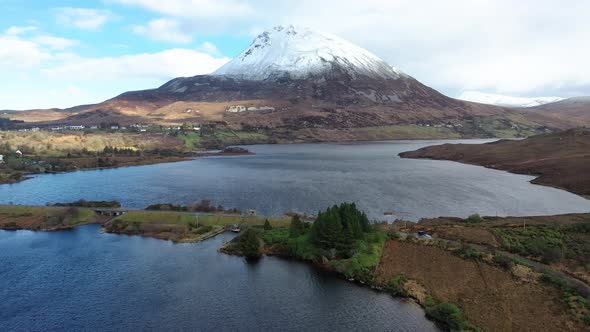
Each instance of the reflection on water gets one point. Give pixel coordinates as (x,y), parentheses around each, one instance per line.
(82,280)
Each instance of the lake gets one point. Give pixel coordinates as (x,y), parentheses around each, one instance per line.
(82,280)
(309,177)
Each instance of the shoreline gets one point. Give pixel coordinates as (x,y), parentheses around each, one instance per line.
(28,176)
(24,178)
(410,268)
(143,162)
(377,140)
(557,160)
(534,181)
(195,154)
(406,267)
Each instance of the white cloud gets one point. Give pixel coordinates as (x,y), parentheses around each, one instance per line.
(158,66)
(209,48)
(164,29)
(17,53)
(44,66)
(503,46)
(17,30)
(503,100)
(194,8)
(53,42)
(83,18)
(533,47)
(60,95)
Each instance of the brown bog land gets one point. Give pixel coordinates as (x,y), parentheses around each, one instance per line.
(490,298)
(560,159)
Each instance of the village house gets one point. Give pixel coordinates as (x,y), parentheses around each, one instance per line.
(110,212)
(236,109)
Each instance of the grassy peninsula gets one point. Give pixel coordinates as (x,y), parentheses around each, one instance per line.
(15,217)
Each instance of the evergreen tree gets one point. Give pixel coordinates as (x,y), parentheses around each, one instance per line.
(339,226)
(250,244)
(296,228)
(327,229)
(267,226)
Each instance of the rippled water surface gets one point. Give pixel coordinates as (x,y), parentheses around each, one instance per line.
(81,280)
(309,177)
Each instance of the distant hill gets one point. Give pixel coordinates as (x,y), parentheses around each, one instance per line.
(560,159)
(567,113)
(508,101)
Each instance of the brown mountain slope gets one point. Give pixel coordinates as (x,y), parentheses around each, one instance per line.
(564,114)
(560,159)
(285,105)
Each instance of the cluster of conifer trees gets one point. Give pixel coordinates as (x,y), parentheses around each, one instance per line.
(120,151)
(339,226)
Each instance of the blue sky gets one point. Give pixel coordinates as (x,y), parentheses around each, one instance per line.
(65,53)
(114,37)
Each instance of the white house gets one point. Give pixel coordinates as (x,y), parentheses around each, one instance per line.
(1,159)
(236,109)
(19,153)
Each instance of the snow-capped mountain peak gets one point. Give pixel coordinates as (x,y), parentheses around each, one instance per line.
(300,53)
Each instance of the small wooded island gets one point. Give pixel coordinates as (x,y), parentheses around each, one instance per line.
(459,270)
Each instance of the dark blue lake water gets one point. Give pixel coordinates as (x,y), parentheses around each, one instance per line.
(81,280)
(310,177)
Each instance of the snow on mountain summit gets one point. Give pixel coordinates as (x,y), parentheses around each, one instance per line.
(300,53)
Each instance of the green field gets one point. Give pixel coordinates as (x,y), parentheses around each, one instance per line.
(41,215)
(240,137)
(191,140)
(21,211)
(186,218)
(194,141)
